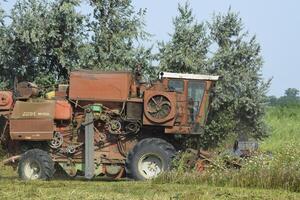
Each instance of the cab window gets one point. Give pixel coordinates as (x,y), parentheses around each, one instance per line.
(176,85)
(195,95)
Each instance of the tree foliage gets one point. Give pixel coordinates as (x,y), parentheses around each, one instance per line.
(41,43)
(45,40)
(290,98)
(292,92)
(239,97)
(116,32)
(3,32)
(188,48)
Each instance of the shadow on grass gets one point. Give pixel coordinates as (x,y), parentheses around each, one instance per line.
(8,177)
(75,179)
(65,177)
(82,178)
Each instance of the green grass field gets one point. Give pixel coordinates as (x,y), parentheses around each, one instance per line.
(285,129)
(12,188)
(285,125)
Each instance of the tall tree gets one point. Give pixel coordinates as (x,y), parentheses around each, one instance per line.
(226,50)
(187,50)
(291,92)
(116,33)
(3,81)
(239,100)
(290,98)
(41,42)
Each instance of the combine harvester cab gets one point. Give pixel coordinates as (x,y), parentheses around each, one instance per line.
(104,124)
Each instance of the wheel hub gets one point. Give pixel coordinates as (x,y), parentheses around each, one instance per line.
(32,170)
(150,166)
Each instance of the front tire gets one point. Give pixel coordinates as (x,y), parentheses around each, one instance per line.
(149,158)
(36,164)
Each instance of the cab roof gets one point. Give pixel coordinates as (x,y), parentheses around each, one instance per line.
(188,76)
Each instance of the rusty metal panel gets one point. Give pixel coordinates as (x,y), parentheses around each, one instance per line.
(34,110)
(104,86)
(32,121)
(6,100)
(63,110)
(31,129)
(178,130)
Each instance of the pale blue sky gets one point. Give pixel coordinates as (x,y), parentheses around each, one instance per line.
(275,22)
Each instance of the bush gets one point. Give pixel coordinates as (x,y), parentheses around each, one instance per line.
(281,169)
(262,171)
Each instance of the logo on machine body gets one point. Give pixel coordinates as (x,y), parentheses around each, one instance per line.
(35,114)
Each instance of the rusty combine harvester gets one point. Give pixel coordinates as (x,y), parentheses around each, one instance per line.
(103,124)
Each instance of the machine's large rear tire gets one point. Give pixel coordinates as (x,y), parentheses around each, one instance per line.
(36,164)
(149,158)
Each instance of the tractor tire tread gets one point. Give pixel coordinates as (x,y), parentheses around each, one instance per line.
(163,145)
(44,158)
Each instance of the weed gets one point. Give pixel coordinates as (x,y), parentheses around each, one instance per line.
(281,169)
